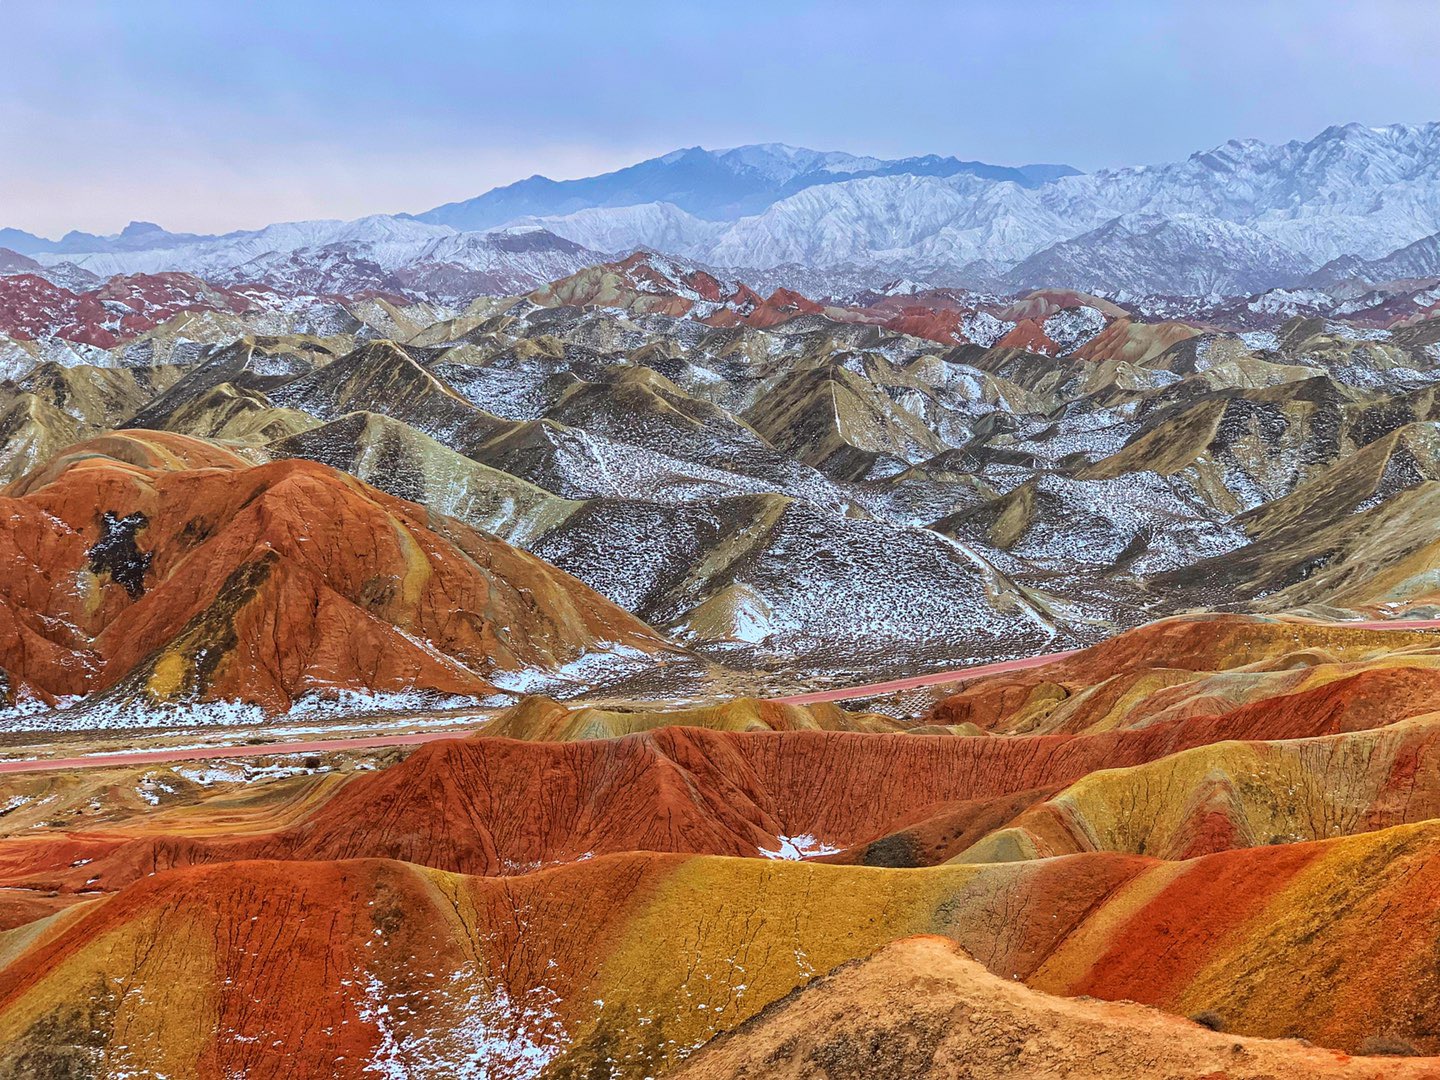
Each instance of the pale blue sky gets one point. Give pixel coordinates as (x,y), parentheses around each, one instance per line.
(217,115)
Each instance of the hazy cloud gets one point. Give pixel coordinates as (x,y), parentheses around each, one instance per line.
(209,116)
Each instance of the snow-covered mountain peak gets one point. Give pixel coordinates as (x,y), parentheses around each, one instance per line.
(1245,215)
(782,163)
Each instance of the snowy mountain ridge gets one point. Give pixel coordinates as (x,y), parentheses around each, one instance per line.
(1241,217)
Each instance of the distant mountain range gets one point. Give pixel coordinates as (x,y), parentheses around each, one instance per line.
(714,185)
(1353,202)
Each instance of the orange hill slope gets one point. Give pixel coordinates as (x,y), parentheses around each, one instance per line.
(557,909)
(622,964)
(1197,665)
(1205,774)
(176,567)
(1236,794)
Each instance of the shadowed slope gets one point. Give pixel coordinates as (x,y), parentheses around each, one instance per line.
(402,461)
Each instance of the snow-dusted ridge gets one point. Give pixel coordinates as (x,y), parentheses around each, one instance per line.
(1241,217)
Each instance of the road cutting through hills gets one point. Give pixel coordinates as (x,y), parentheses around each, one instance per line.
(940,678)
(869,690)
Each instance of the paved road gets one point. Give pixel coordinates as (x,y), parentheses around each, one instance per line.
(153,757)
(933,679)
(1390,624)
(939,677)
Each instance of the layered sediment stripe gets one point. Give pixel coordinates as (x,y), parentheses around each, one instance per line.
(631,960)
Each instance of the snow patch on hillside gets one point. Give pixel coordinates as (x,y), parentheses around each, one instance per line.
(1073,327)
(983,329)
(796,848)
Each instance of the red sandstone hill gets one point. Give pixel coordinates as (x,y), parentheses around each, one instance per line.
(122,308)
(1155,671)
(1245,810)
(648,283)
(178,569)
(619,965)
(504,806)
(1133,342)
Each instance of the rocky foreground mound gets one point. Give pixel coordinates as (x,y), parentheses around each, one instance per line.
(165,569)
(923,1010)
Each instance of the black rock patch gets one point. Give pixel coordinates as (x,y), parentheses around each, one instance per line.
(897,851)
(116,553)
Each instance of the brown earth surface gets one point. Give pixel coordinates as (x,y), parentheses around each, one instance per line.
(922,1009)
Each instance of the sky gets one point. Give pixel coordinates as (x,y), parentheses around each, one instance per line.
(210,115)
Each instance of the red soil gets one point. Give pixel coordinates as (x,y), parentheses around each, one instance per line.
(1132,341)
(287,955)
(500,806)
(942,324)
(1205,643)
(120,309)
(1029,334)
(780,306)
(260,583)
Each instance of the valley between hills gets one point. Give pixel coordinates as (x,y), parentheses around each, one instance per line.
(498,687)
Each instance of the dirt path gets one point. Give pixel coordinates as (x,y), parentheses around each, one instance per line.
(154,757)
